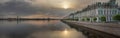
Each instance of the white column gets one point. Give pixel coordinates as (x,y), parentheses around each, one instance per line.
(98,20)
(79,19)
(91,19)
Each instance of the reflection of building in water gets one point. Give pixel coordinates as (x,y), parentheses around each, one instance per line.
(97,11)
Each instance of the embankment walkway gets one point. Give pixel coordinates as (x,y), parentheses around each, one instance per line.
(109,28)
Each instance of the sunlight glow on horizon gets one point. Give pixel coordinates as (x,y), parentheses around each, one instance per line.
(65,5)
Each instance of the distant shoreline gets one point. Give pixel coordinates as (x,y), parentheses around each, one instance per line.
(29,19)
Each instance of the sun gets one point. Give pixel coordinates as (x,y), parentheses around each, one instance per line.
(65,5)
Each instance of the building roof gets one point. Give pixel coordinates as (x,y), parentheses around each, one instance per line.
(110,4)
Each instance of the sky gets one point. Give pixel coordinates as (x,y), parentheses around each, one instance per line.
(43,8)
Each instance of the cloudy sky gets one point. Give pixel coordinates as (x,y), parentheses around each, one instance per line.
(42,8)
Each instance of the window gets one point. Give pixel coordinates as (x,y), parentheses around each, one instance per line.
(100,12)
(114,11)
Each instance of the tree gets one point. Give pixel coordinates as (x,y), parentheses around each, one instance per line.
(76,18)
(83,19)
(103,18)
(87,19)
(95,19)
(116,17)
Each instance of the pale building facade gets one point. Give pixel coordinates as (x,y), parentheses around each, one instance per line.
(98,10)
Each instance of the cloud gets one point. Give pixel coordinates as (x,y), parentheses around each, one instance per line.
(18,8)
(4,1)
(46,8)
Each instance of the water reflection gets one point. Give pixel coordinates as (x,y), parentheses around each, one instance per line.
(58,34)
(65,32)
(44,22)
(37,29)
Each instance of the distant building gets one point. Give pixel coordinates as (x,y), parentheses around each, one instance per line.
(98,10)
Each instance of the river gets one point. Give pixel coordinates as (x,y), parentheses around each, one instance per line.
(38,29)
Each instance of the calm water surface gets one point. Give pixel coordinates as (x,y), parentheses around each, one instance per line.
(37,29)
